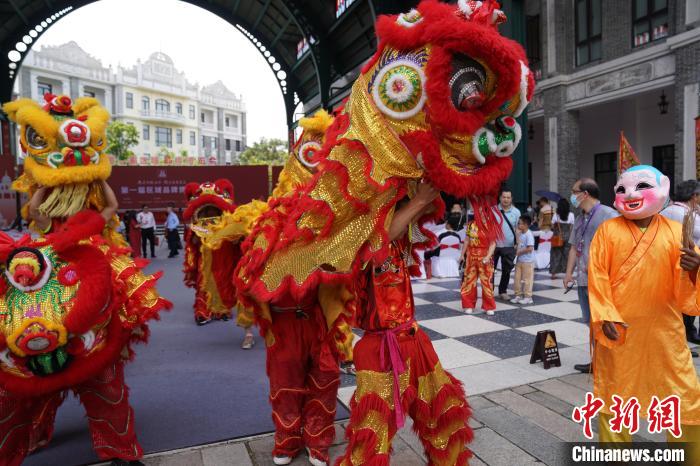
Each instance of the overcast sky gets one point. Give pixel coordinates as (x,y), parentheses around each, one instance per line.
(201,44)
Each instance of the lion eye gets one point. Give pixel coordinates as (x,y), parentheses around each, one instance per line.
(34,139)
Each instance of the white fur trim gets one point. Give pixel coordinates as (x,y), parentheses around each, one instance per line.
(301,157)
(378,101)
(6,359)
(506,148)
(524,72)
(475,145)
(88,340)
(62,131)
(466,8)
(402,21)
(38,285)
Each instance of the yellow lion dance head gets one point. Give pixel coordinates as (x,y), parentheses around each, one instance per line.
(63,143)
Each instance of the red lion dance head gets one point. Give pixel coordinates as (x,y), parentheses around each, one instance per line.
(69,305)
(437,102)
(208,200)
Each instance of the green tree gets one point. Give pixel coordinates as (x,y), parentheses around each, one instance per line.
(265,152)
(121,137)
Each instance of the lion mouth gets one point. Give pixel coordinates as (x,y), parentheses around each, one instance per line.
(207,212)
(467,84)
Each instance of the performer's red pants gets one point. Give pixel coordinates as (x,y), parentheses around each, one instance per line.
(26,424)
(475,270)
(428,393)
(304,379)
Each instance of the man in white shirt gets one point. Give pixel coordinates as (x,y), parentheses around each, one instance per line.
(687,197)
(171,233)
(147,224)
(505,247)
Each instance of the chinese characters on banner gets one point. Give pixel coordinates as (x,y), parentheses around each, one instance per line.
(663,415)
(160,186)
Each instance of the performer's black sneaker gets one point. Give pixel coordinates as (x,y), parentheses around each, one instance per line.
(202,321)
(585,368)
(120,462)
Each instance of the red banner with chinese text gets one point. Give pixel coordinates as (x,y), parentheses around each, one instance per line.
(160,186)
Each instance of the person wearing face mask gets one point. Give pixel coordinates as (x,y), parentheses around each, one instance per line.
(639,279)
(585,195)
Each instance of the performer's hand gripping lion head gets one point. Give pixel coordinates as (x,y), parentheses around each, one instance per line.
(63,143)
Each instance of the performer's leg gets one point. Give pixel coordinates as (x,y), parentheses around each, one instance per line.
(44,420)
(488,302)
(201,310)
(605,435)
(440,412)
(322,383)
(111,418)
(287,366)
(372,423)
(17,426)
(691,439)
(468,290)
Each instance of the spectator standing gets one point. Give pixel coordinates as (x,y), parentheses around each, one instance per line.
(171,234)
(562,223)
(585,195)
(544,217)
(505,247)
(525,266)
(133,233)
(687,199)
(147,224)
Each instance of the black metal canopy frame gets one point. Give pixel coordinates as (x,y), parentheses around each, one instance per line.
(308,44)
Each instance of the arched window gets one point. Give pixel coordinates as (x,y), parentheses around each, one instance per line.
(178,108)
(162,105)
(146,103)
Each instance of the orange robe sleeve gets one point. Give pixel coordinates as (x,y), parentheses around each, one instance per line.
(600,293)
(686,292)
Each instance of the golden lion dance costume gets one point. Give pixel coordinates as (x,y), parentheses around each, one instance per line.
(209,259)
(71,306)
(63,143)
(437,102)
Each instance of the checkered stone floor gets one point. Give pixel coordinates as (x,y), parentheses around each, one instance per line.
(490,353)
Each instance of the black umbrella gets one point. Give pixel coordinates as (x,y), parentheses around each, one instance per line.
(552,196)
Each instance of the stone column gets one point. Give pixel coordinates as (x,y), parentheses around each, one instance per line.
(561,142)
(687,108)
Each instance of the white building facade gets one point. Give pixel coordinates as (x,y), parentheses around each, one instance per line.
(172,115)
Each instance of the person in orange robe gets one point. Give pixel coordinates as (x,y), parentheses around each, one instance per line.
(398,372)
(638,291)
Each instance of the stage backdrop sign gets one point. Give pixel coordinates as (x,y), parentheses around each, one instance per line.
(159,186)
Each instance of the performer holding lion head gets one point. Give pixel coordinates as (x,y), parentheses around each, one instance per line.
(434,109)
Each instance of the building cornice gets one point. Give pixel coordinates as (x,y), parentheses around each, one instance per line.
(646,54)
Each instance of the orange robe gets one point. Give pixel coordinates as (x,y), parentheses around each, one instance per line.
(635,278)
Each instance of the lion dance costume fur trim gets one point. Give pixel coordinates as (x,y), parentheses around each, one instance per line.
(71,306)
(212,248)
(438,102)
